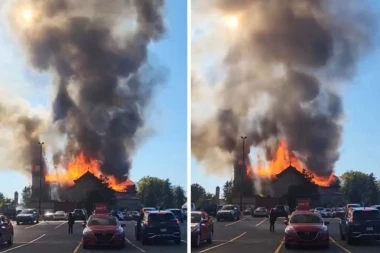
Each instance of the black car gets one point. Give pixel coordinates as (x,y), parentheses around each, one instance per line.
(28,216)
(281,211)
(158,225)
(228,212)
(360,224)
(177,213)
(79,214)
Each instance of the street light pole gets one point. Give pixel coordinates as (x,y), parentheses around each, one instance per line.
(241,174)
(40,191)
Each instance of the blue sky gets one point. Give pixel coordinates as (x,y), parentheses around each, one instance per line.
(164,154)
(361,138)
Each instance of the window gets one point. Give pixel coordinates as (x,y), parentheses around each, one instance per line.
(27,211)
(96,221)
(228,208)
(366,215)
(160,217)
(305,218)
(195,217)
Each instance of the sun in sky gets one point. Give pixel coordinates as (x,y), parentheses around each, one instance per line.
(232,21)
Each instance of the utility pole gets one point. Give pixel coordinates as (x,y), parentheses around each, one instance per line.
(41,175)
(241,174)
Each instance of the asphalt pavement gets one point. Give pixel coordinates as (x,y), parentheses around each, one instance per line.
(252,235)
(53,237)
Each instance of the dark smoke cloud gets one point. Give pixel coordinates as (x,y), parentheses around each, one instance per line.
(288,57)
(103,80)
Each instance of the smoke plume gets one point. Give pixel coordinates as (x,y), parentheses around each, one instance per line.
(97,52)
(279,78)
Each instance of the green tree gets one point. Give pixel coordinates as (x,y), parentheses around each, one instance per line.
(198,194)
(360,187)
(168,195)
(179,196)
(228,188)
(26,194)
(150,191)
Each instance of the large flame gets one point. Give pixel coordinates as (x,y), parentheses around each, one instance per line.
(79,166)
(282,160)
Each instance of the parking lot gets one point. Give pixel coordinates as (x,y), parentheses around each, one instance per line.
(252,235)
(52,236)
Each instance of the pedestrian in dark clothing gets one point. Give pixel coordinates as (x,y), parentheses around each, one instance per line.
(140,220)
(71,223)
(272,220)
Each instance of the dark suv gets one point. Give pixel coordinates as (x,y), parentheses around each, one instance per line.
(177,213)
(360,223)
(228,212)
(79,214)
(158,225)
(281,211)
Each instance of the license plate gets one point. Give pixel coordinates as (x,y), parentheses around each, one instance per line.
(369,228)
(163,230)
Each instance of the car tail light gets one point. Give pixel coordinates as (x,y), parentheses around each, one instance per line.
(352,220)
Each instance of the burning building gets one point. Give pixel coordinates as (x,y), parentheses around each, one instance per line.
(39,184)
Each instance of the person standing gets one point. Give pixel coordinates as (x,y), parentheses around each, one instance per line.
(272,220)
(71,223)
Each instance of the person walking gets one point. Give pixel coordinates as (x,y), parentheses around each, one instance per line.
(71,222)
(272,220)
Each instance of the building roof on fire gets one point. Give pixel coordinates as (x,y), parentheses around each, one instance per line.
(87,176)
(288,170)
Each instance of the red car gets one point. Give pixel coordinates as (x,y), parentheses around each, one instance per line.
(6,230)
(103,230)
(305,228)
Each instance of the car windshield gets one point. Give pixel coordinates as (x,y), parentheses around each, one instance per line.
(60,212)
(353,205)
(280,207)
(26,211)
(228,208)
(195,217)
(305,218)
(160,217)
(327,209)
(261,209)
(106,221)
(78,211)
(367,215)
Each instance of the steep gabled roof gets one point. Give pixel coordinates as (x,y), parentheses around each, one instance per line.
(289,170)
(87,176)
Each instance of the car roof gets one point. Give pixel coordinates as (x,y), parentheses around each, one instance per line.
(156,211)
(101,216)
(304,212)
(364,208)
(174,209)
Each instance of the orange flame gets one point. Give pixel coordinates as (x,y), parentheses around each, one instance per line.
(79,166)
(282,160)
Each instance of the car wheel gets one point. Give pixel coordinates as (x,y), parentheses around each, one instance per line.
(210,237)
(287,246)
(198,241)
(10,241)
(349,240)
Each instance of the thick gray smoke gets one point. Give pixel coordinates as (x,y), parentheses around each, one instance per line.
(282,76)
(97,51)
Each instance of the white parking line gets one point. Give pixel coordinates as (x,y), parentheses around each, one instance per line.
(33,225)
(22,245)
(219,245)
(229,224)
(261,222)
(60,224)
(136,247)
(183,241)
(340,246)
(280,246)
(76,248)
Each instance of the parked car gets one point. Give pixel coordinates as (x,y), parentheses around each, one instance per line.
(228,212)
(158,225)
(338,212)
(376,206)
(202,228)
(281,211)
(177,213)
(360,223)
(305,228)
(321,211)
(28,216)
(328,212)
(260,212)
(103,230)
(247,211)
(49,215)
(6,230)
(79,214)
(59,215)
